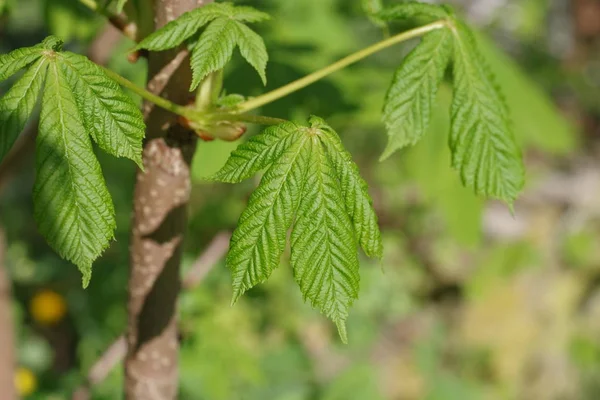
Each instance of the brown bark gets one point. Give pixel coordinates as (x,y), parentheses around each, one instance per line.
(159,223)
(116,352)
(7,343)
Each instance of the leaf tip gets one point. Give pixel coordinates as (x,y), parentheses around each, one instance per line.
(341,327)
(387,153)
(86,277)
(237,293)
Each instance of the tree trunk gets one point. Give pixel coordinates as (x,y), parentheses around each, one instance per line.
(7,343)
(159,222)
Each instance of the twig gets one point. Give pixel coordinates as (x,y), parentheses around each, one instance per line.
(119,21)
(211,255)
(115,353)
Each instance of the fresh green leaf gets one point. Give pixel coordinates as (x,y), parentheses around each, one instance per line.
(213,50)
(18,59)
(324,256)
(355,194)
(109,115)
(310,179)
(252,47)
(256,154)
(17,105)
(413,91)
(247,14)
(177,31)
(413,9)
(483,146)
(549,131)
(72,206)
(259,239)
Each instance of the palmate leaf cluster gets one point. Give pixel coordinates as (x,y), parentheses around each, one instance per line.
(312,186)
(483,147)
(79,103)
(225,29)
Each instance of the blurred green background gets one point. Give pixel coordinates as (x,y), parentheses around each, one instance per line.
(469,301)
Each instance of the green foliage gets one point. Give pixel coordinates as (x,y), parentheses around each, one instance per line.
(412,95)
(481,139)
(18,59)
(104,107)
(214,48)
(412,9)
(119,5)
(549,130)
(17,105)
(484,150)
(72,206)
(372,8)
(313,185)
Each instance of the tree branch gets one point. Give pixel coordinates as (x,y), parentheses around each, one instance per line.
(115,353)
(159,224)
(119,21)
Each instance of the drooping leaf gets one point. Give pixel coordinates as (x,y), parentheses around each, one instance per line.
(18,59)
(310,179)
(413,9)
(413,91)
(324,256)
(17,105)
(72,206)
(257,153)
(252,47)
(109,115)
(483,146)
(355,195)
(549,131)
(214,48)
(259,240)
(247,14)
(177,31)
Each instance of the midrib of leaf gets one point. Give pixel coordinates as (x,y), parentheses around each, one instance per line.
(328,241)
(98,99)
(334,289)
(423,80)
(371,245)
(299,146)
(79,218)
(399,132)
(216,59)
(472,70)
(59,101)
